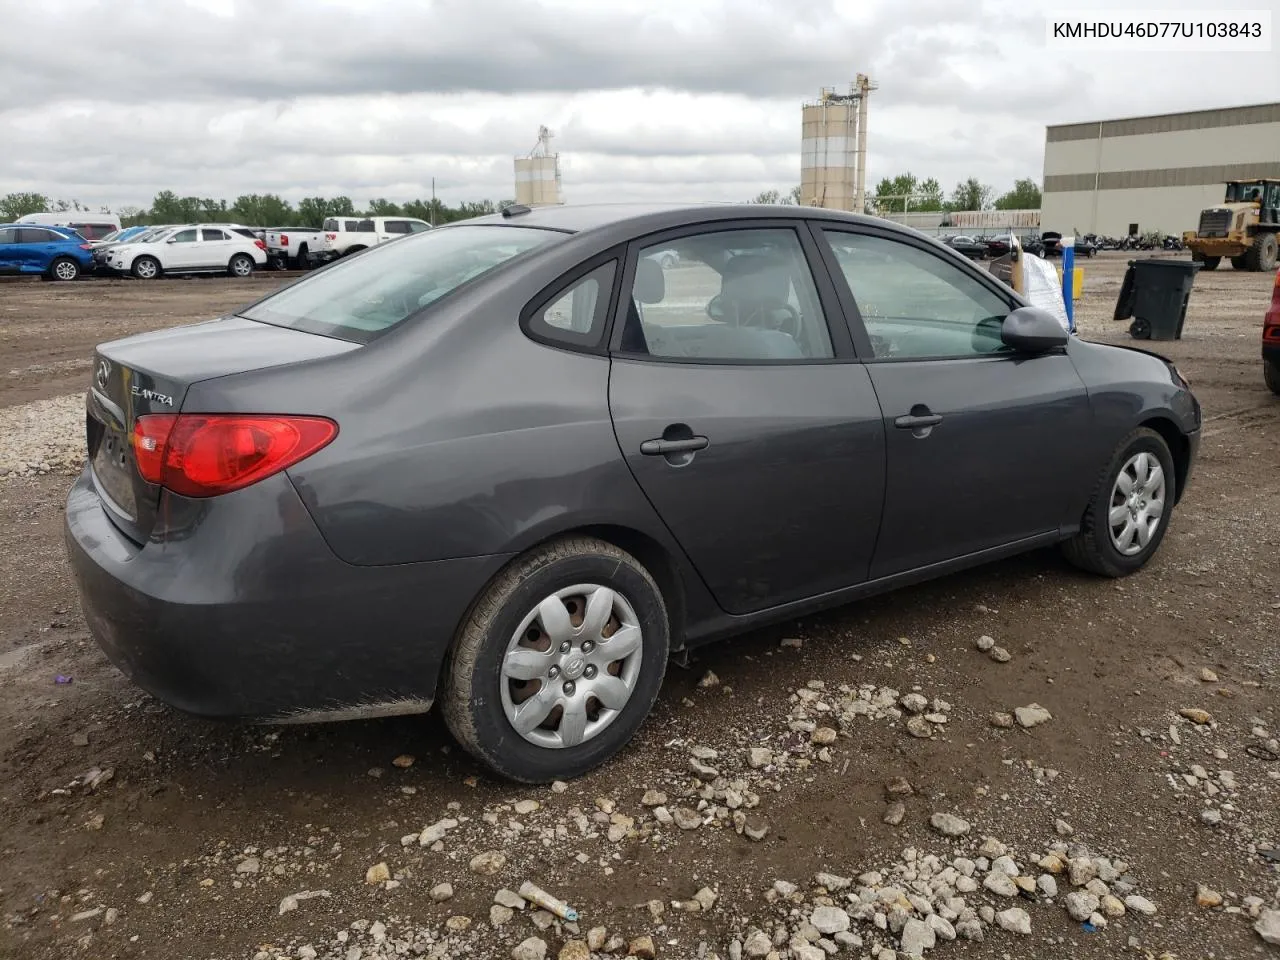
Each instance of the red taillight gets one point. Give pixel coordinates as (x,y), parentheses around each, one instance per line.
(204,455)
(86,246)
(284,239)
(259,244)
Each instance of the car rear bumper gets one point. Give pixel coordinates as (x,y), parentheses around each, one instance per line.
(238,608)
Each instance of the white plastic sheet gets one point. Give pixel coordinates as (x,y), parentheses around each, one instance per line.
(1043,288)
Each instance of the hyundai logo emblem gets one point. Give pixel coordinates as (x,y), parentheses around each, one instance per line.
(104,371)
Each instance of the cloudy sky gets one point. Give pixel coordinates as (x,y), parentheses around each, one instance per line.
(108,102)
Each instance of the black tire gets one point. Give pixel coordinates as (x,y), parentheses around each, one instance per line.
(64,268)
(1210,263)
(1140,329)
(139,268)
(1261,256)
(300,262)
(241,266)
(1238,263)
(1091,549)
(1271,375)
(472,695)
(351,250)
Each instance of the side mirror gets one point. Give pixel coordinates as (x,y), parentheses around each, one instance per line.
(172,240)
(1033,330)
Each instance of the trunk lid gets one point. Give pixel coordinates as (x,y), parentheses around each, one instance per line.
(151,373)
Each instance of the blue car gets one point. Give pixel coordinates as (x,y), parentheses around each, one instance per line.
(56,253)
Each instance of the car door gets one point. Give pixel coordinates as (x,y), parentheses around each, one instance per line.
(215,248)
(36,248)
(181,251)
(984,444)
(8,249)
(743,414)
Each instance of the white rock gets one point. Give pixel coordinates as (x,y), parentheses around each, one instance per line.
(914,703)
(1001,884)
(1140,905)
(784,888)
(1047,885)
(949,824)
(759,757)
(985,643)
(941,926)
(1005,864)
(442,892)
(757,944)
(1268,926)
(534,948)
(1080,906)
(436,831)
(1015,920)
(526,807)
(832,881)
(249,865)
(829,919)
(1031,715)
(489,863)
(917,937)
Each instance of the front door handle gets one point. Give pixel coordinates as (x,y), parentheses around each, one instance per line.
(916,421)
(664,448)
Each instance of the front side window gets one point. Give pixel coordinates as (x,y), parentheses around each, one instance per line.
(915,304)
(38,235)
(360,298)
(727,296)
(184,236)
(8,235)
(417,226)
(395,226)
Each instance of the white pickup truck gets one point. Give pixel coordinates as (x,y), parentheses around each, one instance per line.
(292,246)
(344,235)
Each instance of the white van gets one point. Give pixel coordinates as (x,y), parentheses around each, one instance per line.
(91,226)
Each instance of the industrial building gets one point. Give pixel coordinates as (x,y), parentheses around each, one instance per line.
(833,148)
(538,174)
(1141,174)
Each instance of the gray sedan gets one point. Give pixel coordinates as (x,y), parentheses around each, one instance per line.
(514,464)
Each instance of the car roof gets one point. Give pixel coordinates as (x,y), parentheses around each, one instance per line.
(571,218)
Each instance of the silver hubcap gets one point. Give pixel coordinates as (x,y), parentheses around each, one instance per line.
(1137,504)
(66,271)
(572,665)
(241,268)
(146,269)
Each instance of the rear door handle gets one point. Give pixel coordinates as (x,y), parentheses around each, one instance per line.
(662,448)
(915,422)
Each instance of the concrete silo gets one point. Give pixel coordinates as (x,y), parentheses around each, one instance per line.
(833,148)
(538,174)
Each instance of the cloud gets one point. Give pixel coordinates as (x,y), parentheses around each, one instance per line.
(678,99)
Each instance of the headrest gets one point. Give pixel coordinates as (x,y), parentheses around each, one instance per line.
(755,277)
(650,285)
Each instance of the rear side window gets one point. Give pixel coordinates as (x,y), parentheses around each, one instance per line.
(330,224)
(37,235)
(396,226)
(362,297)
(576,314)
(214,235)
(362,226)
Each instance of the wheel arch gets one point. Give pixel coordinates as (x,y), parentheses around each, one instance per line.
(1179,449)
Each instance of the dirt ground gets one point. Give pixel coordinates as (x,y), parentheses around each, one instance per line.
(154,848)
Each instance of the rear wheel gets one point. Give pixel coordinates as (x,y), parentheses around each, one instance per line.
(64,268)
(1239,263)
(241,265)
(1271,375)
(558,662)
(146,268)
(1210,263)
(351,250)
(1129,512)
(1261,256)
(300,262)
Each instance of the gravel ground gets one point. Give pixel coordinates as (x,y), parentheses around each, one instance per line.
(858,784)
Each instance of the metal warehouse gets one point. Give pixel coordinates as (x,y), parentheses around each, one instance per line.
(1118,177)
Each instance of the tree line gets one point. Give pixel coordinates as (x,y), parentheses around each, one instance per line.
(908,192)
(253,209)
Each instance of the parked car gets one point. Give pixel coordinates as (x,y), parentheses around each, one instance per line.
(91,226)
(505,466)
(971,247)
(1271,341)
(103,248)
(293,246)
(201,248)
(55,253)
(344,235)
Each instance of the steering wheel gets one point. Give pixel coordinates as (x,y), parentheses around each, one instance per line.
(763,314)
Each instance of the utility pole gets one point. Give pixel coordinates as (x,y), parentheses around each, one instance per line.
(433,201)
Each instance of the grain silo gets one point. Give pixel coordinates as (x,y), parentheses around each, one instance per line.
(833,148)
(538,174)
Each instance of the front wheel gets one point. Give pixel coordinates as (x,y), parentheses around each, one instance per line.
(1210,263)
(1129,512)
(241,265)
(146,268)
(558,662)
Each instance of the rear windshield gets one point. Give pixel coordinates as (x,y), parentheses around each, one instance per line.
(360,298)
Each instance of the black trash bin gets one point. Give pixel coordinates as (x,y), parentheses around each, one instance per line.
(1155,294)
